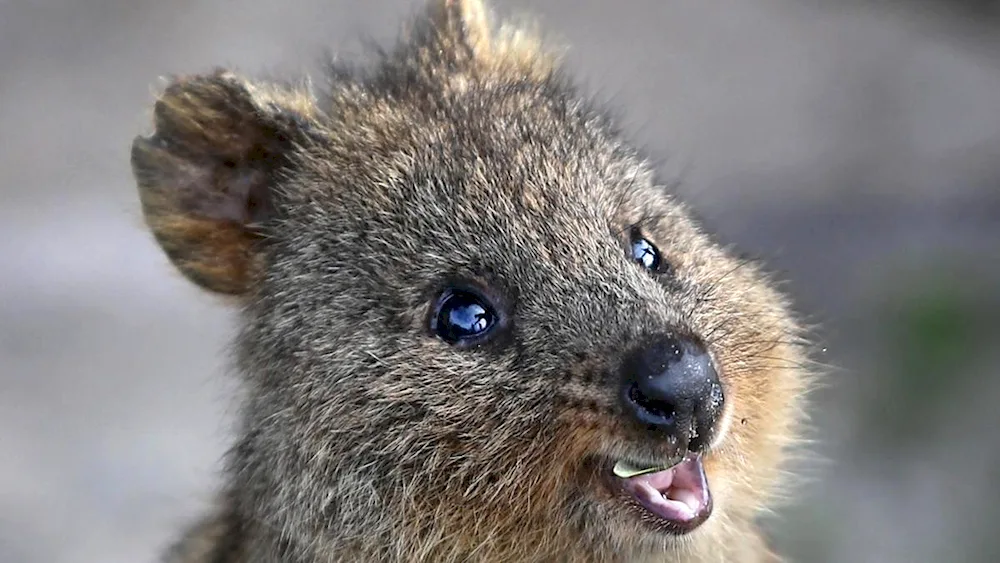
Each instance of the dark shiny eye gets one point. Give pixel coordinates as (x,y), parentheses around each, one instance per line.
(647,255)
(462,317)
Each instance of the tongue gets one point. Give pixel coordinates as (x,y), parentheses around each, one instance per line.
(679,494)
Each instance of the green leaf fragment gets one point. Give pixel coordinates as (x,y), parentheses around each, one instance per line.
(626,470)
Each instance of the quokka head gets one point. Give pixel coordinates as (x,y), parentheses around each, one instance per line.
(475,322)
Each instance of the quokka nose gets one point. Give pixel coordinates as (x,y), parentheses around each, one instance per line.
(671,387)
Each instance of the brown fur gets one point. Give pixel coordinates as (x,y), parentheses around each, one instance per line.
(466,155)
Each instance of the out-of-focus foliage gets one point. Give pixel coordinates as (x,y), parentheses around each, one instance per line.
(936,329)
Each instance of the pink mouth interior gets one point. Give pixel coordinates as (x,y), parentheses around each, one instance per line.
(679,494)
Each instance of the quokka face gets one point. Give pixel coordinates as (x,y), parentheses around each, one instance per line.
(475,324)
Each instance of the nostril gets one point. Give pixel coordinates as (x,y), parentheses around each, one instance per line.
(658,411)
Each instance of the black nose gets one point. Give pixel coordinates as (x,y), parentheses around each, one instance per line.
(671,386)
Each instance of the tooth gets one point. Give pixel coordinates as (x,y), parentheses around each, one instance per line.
(626,470)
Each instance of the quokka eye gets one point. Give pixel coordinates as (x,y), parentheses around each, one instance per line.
(463,317)
(646,254)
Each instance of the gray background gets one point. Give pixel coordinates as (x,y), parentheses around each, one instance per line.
(854,145)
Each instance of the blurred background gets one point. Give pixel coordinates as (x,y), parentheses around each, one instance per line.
(854,145)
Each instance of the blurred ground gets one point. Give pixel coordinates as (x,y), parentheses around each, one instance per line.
(855,145)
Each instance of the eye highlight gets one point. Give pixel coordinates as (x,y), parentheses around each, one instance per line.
(646,254)
(463,317)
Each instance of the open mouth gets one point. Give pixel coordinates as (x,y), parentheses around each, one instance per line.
(677,498)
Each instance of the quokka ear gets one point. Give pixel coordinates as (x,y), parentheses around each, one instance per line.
(206,176)
(462,36)
(461,26)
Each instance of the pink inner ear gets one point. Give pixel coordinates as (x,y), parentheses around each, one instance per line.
(245,194)
(231,193)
